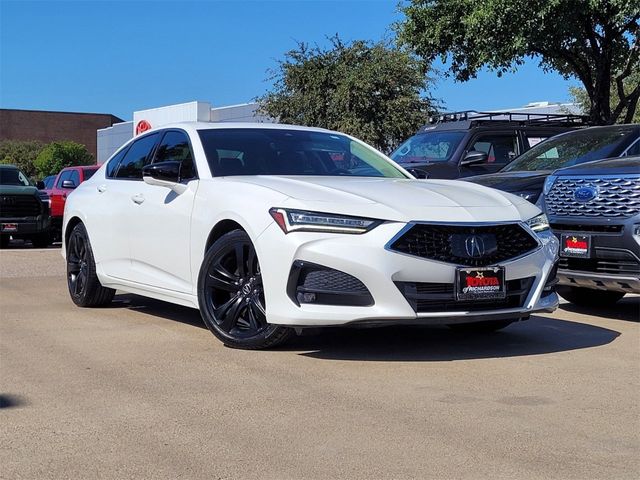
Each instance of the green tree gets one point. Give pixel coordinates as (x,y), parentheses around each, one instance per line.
(58,155)
(595,41)
(21,154)
(373,91)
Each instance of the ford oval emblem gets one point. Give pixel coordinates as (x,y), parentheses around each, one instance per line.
(585,193)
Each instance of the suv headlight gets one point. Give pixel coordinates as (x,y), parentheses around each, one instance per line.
(548,183)
(304,221)
(539,223)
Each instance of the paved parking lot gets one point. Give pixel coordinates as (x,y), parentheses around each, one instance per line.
(143,390)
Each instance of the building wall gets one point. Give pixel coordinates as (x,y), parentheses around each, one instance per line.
(54,126)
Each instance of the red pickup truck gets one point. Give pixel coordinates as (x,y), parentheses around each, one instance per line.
(68,179)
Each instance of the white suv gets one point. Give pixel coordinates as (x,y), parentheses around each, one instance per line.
(268,227)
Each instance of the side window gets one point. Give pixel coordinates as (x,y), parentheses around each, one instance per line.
(175,147)
(88,173)
(138,155)
(112,166)
(533,141)
(75,177)
(500,149)
(66,175)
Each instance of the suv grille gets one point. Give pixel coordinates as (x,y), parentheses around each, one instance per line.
(14,206)
(437,242)
(617,197)
(440,297)
(616,262)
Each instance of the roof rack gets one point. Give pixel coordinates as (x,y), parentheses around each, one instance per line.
(521,118)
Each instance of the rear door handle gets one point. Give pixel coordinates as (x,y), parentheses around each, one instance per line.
(138,198)
(102,188)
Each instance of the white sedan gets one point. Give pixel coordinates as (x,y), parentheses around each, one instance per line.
(270,228)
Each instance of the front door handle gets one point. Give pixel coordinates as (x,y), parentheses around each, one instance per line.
(138,198)
(102,188)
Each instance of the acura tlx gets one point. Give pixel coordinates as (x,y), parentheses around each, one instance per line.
(268,228)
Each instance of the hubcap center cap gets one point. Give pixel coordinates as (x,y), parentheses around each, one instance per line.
(246,289)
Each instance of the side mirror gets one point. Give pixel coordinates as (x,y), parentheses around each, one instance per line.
(164,174)
(69,184)
(40,185)
(473,157)
(418,173)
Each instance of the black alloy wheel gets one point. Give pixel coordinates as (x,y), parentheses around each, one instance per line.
(84,287)
(231,295)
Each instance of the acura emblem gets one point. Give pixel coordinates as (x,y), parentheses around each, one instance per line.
(474,246)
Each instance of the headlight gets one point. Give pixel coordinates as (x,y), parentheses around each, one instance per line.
(539,223)
(300,220)
(548,183)
(530,196)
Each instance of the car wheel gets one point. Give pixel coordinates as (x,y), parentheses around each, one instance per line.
(231,295)
(41,241)
(480,327)
(587,297)
(84,287)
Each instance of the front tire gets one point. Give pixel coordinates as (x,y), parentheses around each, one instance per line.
(231,295)
(585,297)
(84,287)
(480,327)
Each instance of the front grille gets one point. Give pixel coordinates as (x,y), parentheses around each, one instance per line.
(568,227)
(16,206)
(610,262)
(436,242)
(616,197)
(440,297)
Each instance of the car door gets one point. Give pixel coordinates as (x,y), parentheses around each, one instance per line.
(56,195)
(115,200)
(160,221)
(500,147)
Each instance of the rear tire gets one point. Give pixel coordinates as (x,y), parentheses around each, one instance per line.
(588,298)
(84,287)
(231,295)
(481,327)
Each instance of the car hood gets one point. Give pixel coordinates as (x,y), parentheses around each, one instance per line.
(610,166)
(396,199)
(17,190)
(512,181)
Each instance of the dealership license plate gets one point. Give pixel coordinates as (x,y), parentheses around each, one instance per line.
(575,246)
(480,284)
(9,227)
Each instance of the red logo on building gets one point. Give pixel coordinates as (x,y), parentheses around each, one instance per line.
(142,126)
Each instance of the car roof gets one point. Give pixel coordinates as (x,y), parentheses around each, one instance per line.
(7,166)
(237,125)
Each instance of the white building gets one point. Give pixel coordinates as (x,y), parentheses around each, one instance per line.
(111,138)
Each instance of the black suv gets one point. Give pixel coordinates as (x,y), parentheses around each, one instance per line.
(24,210)
(525,176)
(594,210)
(463,144)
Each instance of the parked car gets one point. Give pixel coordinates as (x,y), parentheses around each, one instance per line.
(462,144)
(65,182)
(266,228)
(24,210)
(48,182)
(525,176)
(594,210)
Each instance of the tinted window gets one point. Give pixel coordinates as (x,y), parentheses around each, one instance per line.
(88,173)
(75,177)
(571,149)
(634,149)
(175,147)
(500,149)
(112,166)
(428,147)
(269,151)
(13,176)
(48,181)
(138,155)
(66,175)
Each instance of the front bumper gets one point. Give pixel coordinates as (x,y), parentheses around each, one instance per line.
(365,258)
(26,226)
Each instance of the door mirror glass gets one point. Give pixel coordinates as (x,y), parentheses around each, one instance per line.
(69,184)
(473,158)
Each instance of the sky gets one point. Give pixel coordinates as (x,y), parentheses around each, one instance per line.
(118,57)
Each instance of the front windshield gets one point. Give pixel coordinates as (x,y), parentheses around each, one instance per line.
(428,147)
(270,151)
(13,176)
(569,149)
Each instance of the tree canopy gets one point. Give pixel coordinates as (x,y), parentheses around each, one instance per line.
(58,155)
(21,154)
(373,91)
(595,41)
